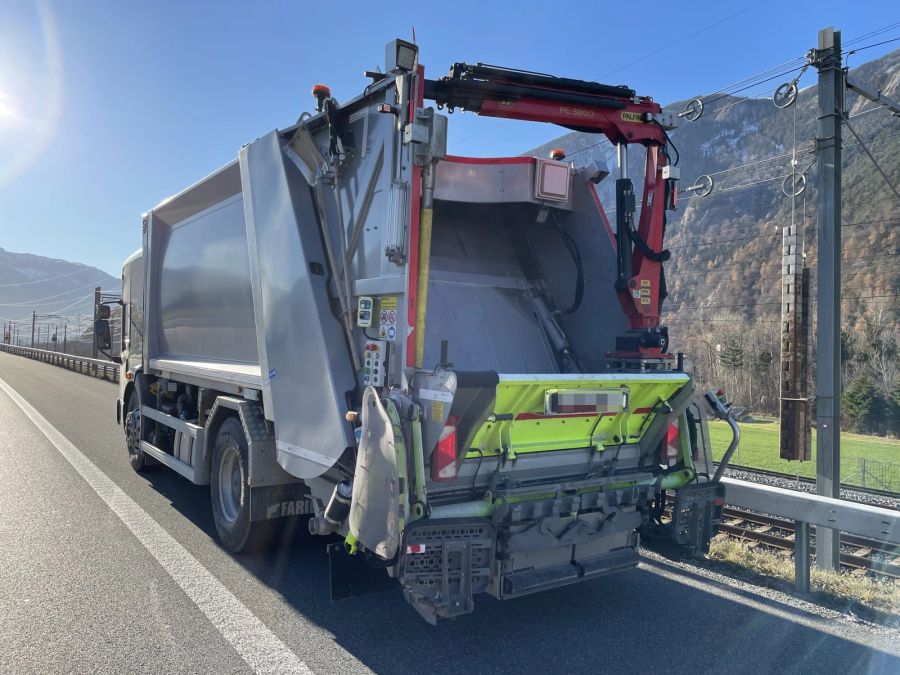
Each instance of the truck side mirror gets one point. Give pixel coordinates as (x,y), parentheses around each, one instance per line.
(103,311)
(102,336)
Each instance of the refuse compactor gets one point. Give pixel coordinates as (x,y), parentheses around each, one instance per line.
(455,364)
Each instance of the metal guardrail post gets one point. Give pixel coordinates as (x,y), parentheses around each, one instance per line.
(801,556)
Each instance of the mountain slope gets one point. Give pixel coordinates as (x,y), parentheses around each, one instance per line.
(47,285)
(724,275)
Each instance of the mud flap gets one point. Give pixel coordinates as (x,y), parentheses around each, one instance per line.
(352,576)
(374,520)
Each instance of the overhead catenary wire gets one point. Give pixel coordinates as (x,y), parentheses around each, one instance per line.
(685,38)
(757,78)
(877,136)
(47,280)
(751,85)
(877,165)
(766,303)
(877,44)
(877,31)
(77,302)
(43,301)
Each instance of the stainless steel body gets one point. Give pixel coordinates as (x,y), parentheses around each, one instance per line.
(346,305)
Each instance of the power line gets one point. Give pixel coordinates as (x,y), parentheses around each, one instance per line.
(719,269)
(754,84)
(47,280)
(684,39)
(752,97)
(877,165)
(77,302)
(877,31)
(37,301)
(778,302)
(792,64)
(877,44)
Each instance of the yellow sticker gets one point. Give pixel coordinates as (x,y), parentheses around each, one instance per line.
(437,411)
(645,301)
(645,283)
(632,117)
(645,291)
(388,302)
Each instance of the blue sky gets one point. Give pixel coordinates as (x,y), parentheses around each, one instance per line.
(108,107)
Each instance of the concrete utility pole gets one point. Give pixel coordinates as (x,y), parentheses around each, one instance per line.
(33,317)
(827,61)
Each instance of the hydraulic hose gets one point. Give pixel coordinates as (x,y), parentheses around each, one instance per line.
(572,247)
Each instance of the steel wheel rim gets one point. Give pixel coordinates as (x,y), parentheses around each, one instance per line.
(132,433)
(231,483)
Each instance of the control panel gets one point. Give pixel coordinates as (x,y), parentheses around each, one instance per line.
(374,363)
(364,312)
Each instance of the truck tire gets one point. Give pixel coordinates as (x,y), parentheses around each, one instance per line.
(230,490)
(132,425)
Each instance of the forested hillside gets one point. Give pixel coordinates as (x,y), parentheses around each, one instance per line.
(724,276)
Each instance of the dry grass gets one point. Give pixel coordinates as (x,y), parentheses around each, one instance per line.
(877,594)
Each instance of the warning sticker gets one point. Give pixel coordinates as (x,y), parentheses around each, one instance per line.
(645,283)
(437,411)
(636,292)
(387,318)
(645,301)
(645,291)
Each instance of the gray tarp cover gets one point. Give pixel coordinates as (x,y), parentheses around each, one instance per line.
(373,510)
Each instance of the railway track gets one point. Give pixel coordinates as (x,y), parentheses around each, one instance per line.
(859,555)
(811,482)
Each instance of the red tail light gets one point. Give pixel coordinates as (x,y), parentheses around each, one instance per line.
(443,459)
(672,443)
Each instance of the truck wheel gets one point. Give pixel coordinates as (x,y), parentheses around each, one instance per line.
(136,457)
(229,487)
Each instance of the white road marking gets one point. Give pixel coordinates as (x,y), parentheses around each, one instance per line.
(263,651)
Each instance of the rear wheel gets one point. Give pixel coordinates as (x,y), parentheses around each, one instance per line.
(230,489)
(136,457)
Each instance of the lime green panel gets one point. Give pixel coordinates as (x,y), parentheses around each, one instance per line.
(531,431)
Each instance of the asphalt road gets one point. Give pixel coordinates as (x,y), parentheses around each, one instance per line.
(89,584)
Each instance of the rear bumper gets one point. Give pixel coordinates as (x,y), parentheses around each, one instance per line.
(443,563)
(531,581)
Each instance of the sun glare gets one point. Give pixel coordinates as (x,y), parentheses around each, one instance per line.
(10,113)
(25,128)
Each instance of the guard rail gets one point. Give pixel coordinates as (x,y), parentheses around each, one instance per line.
(106,370)
(807,509)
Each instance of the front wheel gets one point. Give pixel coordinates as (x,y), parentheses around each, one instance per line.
(136,457)
(230,488)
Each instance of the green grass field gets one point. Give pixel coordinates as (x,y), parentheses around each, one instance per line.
(759,449)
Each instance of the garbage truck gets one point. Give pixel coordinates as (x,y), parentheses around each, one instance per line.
(452,367)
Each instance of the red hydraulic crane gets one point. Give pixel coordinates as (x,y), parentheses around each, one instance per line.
(625,119)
